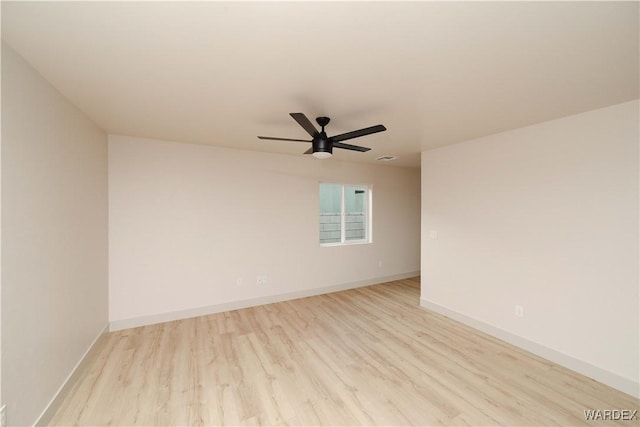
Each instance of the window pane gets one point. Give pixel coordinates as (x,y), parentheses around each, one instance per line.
(330,213)
(355,205)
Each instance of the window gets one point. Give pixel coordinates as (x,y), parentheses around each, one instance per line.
(345,214)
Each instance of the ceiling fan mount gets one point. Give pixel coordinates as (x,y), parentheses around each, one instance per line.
(323,121)
(321,144)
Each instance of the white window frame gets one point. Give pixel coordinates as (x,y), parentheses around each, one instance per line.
(368,208)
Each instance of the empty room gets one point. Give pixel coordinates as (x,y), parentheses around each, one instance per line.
(320,213)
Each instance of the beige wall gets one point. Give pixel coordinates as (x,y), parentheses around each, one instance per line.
(186,221)
(545,217)
(54,238)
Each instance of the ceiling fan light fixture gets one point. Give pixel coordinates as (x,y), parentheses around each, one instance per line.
(321,154)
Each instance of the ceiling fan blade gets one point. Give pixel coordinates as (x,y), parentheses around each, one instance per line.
(358,133)
(309,151)
(305,123)
(282,139)
(350,147)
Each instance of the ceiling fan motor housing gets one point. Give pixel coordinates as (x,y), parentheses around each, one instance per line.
(322,144)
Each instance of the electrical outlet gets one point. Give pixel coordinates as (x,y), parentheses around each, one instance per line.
(239,281)
(261,280)
(3,416)
(379,263)
(519,311)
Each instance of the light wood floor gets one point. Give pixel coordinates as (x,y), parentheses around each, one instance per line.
(369,356)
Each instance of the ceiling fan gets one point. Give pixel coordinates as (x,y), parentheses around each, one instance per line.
(321,144)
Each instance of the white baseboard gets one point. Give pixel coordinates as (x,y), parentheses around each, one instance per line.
(50,410)
(135,322)
(606,377)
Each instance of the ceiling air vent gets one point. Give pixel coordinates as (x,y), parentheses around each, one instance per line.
(386,158)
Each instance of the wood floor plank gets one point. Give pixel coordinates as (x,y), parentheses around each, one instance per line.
(367,356)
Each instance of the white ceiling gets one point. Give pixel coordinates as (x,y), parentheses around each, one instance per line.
(433,73)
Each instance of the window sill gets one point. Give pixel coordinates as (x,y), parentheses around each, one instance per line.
(356,242)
